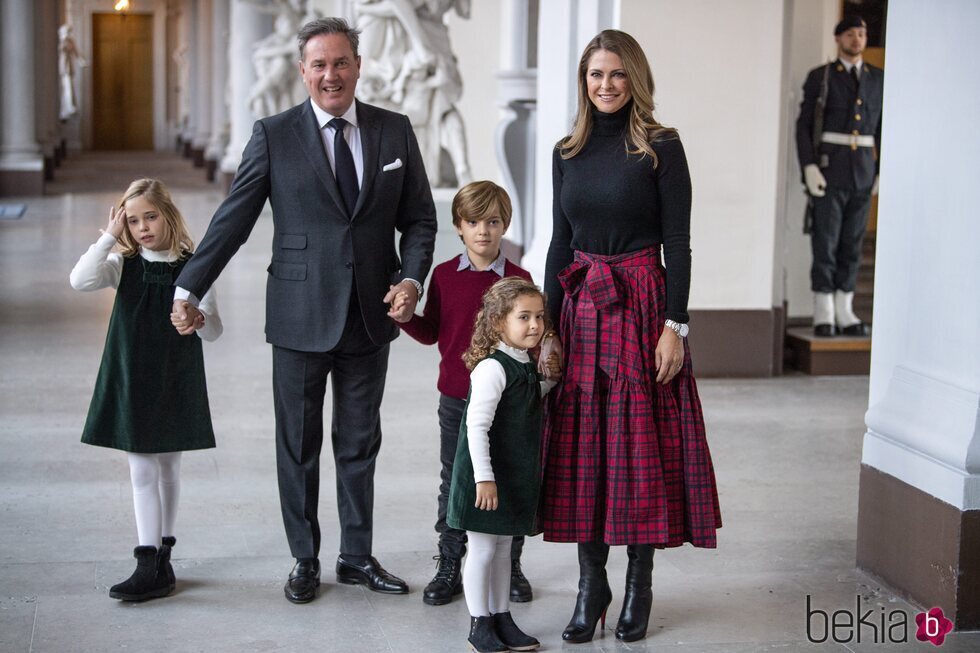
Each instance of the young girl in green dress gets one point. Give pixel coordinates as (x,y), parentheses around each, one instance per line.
(494,491)
(150,397)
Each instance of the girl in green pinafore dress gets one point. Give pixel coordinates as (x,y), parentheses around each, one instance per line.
(150,397)
(496,474)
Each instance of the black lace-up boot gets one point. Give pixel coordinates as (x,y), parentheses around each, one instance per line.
(446,584)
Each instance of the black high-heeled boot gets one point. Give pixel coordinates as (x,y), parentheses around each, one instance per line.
(594,595)
(638,600)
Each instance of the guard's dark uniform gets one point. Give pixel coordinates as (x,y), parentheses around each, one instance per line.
(853,108)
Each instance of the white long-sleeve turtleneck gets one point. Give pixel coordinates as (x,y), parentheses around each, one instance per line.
(100,267)
(487,382)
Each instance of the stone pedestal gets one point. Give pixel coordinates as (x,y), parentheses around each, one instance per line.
(21,160)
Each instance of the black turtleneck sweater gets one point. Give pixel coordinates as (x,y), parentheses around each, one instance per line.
(609,202)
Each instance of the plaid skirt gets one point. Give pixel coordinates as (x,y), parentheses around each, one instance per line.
(625,458)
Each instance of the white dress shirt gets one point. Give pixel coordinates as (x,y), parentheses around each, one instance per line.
(352,133)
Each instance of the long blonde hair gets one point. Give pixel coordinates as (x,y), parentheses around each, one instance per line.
(498,302)
(156,193)
(643,127)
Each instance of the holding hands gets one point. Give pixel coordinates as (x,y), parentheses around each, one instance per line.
(550,357)
(402,299)
(486,495)
(186,318)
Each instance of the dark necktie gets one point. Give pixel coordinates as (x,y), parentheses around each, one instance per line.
(855,75)
(343,165)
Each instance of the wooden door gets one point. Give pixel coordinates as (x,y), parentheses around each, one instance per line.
(122,81)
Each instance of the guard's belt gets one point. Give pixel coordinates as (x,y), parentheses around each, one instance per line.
(854,140)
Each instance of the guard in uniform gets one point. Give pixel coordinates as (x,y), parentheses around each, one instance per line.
(839,160)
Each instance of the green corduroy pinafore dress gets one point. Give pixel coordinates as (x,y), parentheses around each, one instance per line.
(515,453)
(150,395)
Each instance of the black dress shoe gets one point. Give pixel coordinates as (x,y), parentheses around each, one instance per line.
(520,587)
(303,581)
(370,573)
(860,330)
(823,330)
(446,584)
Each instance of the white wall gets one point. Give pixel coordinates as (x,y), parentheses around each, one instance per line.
(809,42)
(923,425)
(717,68)
(477,47)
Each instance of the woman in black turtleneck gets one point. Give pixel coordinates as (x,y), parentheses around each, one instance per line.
(626,460)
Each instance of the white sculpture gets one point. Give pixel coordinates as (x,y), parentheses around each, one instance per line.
(277,86)
(68,56)
(408,66)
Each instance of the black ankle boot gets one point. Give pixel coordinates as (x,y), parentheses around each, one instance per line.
(483,638)
(512,637)
(446,584)
(146,582)
(520,587)
(638,600)
(594,595)
(163,559)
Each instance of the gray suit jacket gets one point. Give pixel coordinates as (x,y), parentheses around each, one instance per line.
(319,252)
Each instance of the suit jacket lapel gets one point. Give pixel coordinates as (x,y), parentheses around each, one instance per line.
(370,129)
(308,134)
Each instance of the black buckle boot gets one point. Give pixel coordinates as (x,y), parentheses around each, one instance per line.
(483,638)
(146,582)
(446,584)
(520,587)
(163,561)
(513,637)
(638,600)
(594,595)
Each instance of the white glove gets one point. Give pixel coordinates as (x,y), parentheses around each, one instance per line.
(874,186)
(816,185)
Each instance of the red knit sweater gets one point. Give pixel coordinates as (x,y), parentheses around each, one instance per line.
(453,299)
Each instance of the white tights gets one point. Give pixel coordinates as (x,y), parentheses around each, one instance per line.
(156,489)
(486,576)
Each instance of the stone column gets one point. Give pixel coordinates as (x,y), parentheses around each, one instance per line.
(248,25)
(219,87)
(919,498)
(517,99)
(202,93)
(46,89)
(563,30)
(21,161)
(186,75)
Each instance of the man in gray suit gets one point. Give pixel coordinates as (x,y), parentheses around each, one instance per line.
(342,177)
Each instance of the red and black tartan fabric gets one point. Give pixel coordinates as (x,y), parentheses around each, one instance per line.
(625,458)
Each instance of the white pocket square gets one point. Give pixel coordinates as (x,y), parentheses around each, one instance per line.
(394,165)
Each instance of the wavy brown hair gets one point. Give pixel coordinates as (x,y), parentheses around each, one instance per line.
(498,302)
(156,193)
(643,127)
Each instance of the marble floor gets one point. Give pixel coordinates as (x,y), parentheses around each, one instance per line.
(786,451)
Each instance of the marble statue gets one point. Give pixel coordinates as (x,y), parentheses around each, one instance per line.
(409,66)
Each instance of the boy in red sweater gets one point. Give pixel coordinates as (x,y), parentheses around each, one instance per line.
(481,214)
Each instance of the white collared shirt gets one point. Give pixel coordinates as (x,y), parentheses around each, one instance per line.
(499,265)
(352,133)
(848,65)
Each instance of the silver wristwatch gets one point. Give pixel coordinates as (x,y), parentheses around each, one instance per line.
(680,329)
(418,287)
